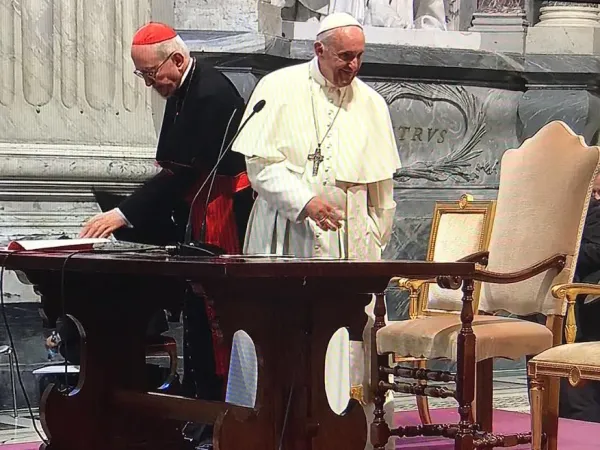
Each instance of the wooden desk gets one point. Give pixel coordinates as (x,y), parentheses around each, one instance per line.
(290,308)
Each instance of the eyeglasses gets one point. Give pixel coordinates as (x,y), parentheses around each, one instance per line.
(151,74)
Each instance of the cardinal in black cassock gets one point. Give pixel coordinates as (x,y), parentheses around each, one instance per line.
(203,112)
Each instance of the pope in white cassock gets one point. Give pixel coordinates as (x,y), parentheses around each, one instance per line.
(321,156)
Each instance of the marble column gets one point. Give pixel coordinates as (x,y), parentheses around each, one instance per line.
(566,28)
(503,24)
(568,14)
(72,114)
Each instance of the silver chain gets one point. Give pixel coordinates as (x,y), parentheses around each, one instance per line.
(312,100)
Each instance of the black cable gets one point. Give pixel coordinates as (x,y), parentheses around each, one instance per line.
(212,182)
(287,411)
(63,308)
(293,385)
(63,288)
(14,350)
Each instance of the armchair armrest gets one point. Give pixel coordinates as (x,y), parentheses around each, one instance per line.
(413,286)
(557,261)
(480,258)
(569,292)
(554,262)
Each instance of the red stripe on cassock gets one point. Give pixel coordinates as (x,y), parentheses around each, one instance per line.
(221,230)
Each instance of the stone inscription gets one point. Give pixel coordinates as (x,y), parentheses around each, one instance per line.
(438,131)
(420,134)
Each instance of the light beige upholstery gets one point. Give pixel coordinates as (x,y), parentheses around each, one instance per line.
(459,234)
(580,354)
(435,337)
(545,187)
(541,203)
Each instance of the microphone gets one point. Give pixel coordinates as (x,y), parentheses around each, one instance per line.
(257,108)
(201,248)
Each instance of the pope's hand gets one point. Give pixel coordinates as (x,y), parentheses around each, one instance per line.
(325,216)
(102,225)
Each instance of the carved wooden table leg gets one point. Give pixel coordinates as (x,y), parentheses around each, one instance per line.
(291,335)
(113,358)
(465,386)
(335,431)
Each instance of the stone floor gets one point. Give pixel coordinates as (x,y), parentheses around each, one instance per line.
(510,393)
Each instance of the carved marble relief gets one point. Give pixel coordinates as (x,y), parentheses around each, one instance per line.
(439,139)
(500,6)
(451,139)
(66,75)
(403,14)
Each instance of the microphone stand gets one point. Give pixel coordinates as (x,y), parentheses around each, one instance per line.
(200,248)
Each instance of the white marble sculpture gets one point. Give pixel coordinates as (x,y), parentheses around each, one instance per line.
(405,14)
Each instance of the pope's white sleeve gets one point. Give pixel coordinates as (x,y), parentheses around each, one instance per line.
(382,209)
(279,186)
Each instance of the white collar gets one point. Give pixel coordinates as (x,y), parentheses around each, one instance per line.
(185,74)
(317,75)
(319,78)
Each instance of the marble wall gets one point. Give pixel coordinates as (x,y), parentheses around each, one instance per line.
(72,115)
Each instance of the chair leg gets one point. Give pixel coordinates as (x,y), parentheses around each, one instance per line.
(422,400)
(536,393)
(12,382)
(484,399)
(550,415)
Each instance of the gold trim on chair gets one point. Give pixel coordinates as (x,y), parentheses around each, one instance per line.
(418,290)
(357,393)
(464,205)
(548,365)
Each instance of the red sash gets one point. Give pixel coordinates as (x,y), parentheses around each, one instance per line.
(221,230)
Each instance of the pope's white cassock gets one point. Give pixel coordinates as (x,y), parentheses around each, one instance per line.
(359,158)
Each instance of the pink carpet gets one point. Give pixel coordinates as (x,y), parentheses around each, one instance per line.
(572,434)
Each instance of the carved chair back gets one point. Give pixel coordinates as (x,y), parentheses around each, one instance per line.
(458,229)
(545,187)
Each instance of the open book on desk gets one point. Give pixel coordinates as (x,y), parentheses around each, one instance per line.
(56,244)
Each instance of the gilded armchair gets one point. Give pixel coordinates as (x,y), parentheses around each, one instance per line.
(458,229)
(543,196)
(577,362)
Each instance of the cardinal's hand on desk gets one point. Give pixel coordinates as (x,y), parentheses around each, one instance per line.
(325,216)
(102,225)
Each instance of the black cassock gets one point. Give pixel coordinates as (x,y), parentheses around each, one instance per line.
(191,137)
(192,133)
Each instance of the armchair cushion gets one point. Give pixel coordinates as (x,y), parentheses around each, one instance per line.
(579,354)
(435,337)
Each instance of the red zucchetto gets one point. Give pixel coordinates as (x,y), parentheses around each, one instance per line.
(153,33)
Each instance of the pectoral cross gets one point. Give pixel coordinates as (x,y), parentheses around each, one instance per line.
(317,159)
